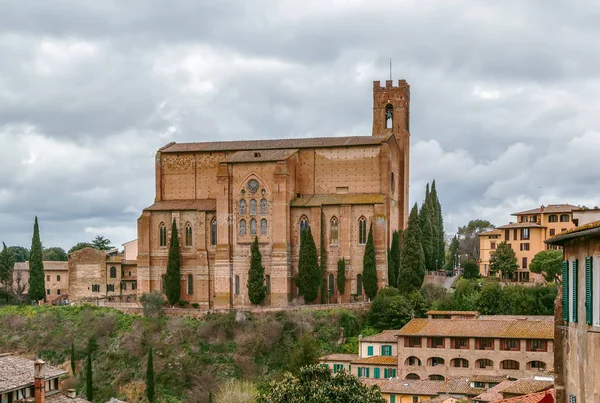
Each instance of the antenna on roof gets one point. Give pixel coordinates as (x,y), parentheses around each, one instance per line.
(390,68)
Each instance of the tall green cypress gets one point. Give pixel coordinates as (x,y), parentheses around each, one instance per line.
(37,289)
(256,275)
(73,357)
(369,274)
(150,377)
(89,388)
(427,236)
(452,254)
(323,261)
(439,242)
(309,272)
(341,276)
(7,264)
(209,397)
(412,258)
(173,275)
(394,260)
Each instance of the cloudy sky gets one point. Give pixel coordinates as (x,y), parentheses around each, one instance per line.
(505,98)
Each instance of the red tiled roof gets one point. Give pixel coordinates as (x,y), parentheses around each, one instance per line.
(550,209)
(335,199)
(546,396)
(460,386)
(377,360)
(522,225)
(385,336)
(407,386)
(199,205)
(530,329)
(521,386)
(464,313)
(48,265)
(339,357)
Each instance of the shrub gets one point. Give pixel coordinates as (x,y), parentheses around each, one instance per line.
(236,391)
(195,305)
(152,304)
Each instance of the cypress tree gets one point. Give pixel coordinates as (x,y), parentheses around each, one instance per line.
(439,242)
(73,357)
(309,272)
(37,289)
(427,236)
(341,276)
(7,263)
(452,254)
(209,397)
(256,276)
(173,275)
(150,377)
(369,274)
(412,258)
(89,388)
(394,260)
(323,260)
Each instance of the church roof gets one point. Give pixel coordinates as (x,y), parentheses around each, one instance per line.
(199,205)
(307,142)
(329,199)
(261,155)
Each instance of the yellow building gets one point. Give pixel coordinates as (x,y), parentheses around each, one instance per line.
(526,237)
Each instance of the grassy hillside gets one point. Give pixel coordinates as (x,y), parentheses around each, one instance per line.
(191,356)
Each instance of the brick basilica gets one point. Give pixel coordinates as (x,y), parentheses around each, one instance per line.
(223,194)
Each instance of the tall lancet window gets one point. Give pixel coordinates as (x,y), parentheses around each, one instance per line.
(389,116)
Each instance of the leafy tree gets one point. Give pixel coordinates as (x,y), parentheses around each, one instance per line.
(173,274)
(89,387)
(341,276)
(369,274)
(453,252)
(503,260)
(37,289)
(351,346)
(152,304)
(309,272)
(54,254)
(315,384)
(469,239)
(394,259)
(20,253)
(256,276)
(101,243)
(79,246)
(7,263)
(548,262)
(470,269)
(392,310)
(491,300)
(73,357)
(433,292)
(427,236)
(412,259)
(150,377)
(306,352)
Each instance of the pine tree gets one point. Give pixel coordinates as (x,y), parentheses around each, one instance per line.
(439,243)
(37,289)
(150,377)
(394,260)
(89,388)
(7,263)
(412,258)
(73,357)
(369,274)
(173,275)
(256,276)
(341,276)
(309,272)
(427,236)
(504,260)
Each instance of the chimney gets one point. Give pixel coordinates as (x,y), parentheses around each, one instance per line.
(39,381)
(71,394)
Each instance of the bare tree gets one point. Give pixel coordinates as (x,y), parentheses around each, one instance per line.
(19,286)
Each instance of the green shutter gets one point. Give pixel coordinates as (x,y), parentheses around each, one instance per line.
(589,308)
(376,373)
(565,290)
(370,351)
(359,372)
(367,370)
(574,285)
(392,398)
(393,373)
(382,349)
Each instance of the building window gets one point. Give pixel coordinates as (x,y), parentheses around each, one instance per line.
(524,233)
(436,378)
(359,284)
(268,283)
(484,344)
(263,206)
(213,232)
(48,291)
(331,284)
(536,365)
(564,218)
(572,398)
(552,231)
(510,345)
(392,183)
(460,343)
(263,227)
(47,277)
(188,234)
(237,285)
(303,223)
(253,227)
(484,363)
(435,361)
(162,235)
(370,351)
(492,245)
(413,361)
(253,207)
(509,364)
(412,341)
(242,227)
(525,246)
(190,284)
(386,350)
(333,233)
(362,231)
(242,207)
(113,272)
(437,342)
(58,277)
(133,285)
(413,377)
(389,116)
(459,363)
(553,218)
(507,235)
(524,262)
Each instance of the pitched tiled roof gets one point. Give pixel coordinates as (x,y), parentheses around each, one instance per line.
(18,372)
(48,265)
(377,360)
(307,142)
(547,318)
(531,398)
(493,394)
(60,398)
(592,228)
(550,209)
(261,155)
(199,205)
(443,399)
(522,225)
(339,357)
(326,199)
(479,328)
(407,386)
(488,378)
(528,385)
(385,336)
(464,313)
(491,232)
(459,386)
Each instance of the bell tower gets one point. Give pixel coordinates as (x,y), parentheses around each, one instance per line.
(391,115)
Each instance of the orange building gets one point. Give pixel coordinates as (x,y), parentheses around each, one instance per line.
(526,237)
(222,195)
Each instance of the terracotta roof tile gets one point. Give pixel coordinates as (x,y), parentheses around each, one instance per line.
(328,199)
(48,265)
(547,318)
(460,386)
(18,372)
(378,360)
(307,142)
(530,398)
(385,336)
(60,398)
(529,329)
(550,209)
(493,394)
(464,313)
(339,357)
(572,233)
(522,225)
(491,232)
(407,386)
(528,385)
(199,205)
(261,155)
(488,378)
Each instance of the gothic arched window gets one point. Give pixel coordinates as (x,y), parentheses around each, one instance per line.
(334,233)
(188,234)
(242,227)
(162,235)
(113,272)
(213,232)
(389,116)
(237,285)
(253,207)
(242,207)
(362,231)
(263,206)
(331,284)
(263,227)
(190,284)
(268,283)
(359,284)
(303,223)
(253,227)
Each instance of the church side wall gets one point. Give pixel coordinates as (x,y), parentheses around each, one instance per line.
(188,176)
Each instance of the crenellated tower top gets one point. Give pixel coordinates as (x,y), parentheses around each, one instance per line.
(391,108)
